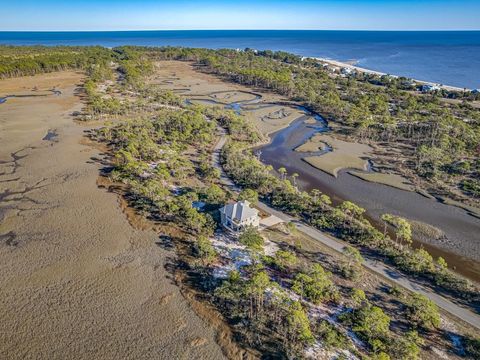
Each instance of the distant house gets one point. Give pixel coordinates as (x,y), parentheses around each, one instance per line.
(408,83)
(346,71)
(429,88)
(475,91)
(239,215)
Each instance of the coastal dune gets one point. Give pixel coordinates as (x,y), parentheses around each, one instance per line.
(78,281)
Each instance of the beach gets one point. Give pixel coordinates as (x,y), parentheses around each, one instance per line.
(441,57)
(352,67)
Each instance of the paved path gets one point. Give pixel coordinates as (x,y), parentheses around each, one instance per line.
(381,269)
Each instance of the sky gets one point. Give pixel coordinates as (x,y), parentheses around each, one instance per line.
(57,15)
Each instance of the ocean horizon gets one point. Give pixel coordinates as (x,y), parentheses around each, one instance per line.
(444,57)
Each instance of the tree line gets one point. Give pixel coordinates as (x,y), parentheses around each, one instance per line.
(442,137)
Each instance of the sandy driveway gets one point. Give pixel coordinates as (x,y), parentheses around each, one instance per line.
(77,281)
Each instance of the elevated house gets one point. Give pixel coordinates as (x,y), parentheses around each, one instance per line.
(238,216)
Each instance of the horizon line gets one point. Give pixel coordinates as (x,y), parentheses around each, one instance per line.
(138,30)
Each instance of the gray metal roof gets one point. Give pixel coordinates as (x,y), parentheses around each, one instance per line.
(239,211)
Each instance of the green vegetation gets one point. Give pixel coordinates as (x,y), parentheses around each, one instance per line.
(249,195)
(423,312)
(315,285)
(243,297)
(160,151)
(298,330)
(252,239)
(32,60)
(284,260)
(330,336)
(214,194)
(472,347)
(441,137)
(150,152)
(372,324)
(206,252)
(345,221)
(352,268)
(403,229)
(471,186)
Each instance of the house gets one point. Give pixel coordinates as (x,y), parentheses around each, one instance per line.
(239,215)
(408,83)
(475,91)
(346,71)
(429,88)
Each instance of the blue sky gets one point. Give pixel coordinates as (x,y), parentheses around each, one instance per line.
(243,14)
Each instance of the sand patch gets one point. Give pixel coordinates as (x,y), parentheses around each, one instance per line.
(208,90)
(270,119)
(316,143)
(40,84)
(344,154)
(229,97)
(181,77)
(393,180)
(310,121)
(205,102)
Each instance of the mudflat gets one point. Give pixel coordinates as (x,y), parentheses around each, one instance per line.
(343,155)
(263,109)
(78,281)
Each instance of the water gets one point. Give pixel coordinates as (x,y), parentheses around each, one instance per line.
(51,135)
(447,57)
(460,228)
(5,98)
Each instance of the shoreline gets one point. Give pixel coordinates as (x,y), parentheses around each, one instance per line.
(351,65)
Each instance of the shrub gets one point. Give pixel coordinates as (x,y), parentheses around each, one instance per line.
(330,336)
(205,251)
(316,286)
(249,195)
(284,259)
(423,312)
(407,347)
(472,347)
(252,239)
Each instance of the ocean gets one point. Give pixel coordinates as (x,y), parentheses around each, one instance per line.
(445,57)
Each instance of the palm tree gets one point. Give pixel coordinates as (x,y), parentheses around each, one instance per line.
(315,193)
(386,218)
(294,178)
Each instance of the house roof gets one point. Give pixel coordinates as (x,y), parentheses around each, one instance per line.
(239,211)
